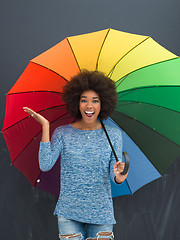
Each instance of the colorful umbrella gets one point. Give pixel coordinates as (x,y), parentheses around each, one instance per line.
(147,77)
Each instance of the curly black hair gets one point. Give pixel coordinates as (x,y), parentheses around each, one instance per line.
(90,80)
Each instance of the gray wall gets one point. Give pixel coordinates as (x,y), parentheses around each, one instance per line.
(27,28)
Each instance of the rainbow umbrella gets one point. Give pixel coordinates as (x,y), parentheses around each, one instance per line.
(147,77)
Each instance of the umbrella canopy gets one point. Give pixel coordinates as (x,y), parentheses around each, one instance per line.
(147,77)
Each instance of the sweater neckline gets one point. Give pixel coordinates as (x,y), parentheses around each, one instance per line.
(81,130)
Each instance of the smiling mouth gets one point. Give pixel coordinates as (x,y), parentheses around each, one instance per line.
(89,113)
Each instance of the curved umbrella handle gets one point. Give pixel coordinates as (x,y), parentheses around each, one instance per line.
(126,167)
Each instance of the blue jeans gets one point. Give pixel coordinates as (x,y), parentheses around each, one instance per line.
(70,229)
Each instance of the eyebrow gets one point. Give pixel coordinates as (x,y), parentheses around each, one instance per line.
(86,97)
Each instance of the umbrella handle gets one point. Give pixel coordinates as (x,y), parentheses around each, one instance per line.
(126,167)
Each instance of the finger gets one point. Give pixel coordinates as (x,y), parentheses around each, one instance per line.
(116,167)
(26,109)
(117,163)
(119,167)
(29,111)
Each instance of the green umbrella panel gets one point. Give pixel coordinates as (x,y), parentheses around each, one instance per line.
(148,110)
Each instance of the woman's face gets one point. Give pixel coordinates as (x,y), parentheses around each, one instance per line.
(89,106)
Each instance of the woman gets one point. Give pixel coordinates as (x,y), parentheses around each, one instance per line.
(84,208)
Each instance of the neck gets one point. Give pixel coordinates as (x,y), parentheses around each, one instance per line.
(87,126)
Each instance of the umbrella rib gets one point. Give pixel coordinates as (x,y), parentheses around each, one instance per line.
(149,128)
(49,70)
(112,70)
(73,54)
(124,77)
(35,92)
(129,187)
(140,102)
(129,91)
(152,130)
(121,80)
(136,144)
(30,116)
(38,134)
(152,104)
(126,179)
(102,48)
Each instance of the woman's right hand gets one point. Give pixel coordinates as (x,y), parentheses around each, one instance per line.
(43,121)
(39,118)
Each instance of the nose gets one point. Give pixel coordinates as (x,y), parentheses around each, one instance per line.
(89,105)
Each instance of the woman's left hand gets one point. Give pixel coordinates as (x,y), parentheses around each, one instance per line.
(118,169)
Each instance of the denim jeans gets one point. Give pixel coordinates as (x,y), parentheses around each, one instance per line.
(70,229)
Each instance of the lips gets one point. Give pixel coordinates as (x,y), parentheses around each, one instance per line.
(89,113)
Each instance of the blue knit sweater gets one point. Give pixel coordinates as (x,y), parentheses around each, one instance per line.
(86,167)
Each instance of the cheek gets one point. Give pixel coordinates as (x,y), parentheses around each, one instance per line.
(99,108)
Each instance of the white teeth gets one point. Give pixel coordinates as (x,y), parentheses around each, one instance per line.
(87,112)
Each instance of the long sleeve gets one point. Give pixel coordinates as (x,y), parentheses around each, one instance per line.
(50,151)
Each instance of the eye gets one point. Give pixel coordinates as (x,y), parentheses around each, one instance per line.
(83,100)
(95,101)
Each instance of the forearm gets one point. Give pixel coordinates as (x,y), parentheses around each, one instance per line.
(45,133)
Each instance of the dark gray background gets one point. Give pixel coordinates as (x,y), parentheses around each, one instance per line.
(28,28)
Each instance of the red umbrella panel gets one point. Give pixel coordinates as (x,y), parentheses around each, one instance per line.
(23,137)
(40,89)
